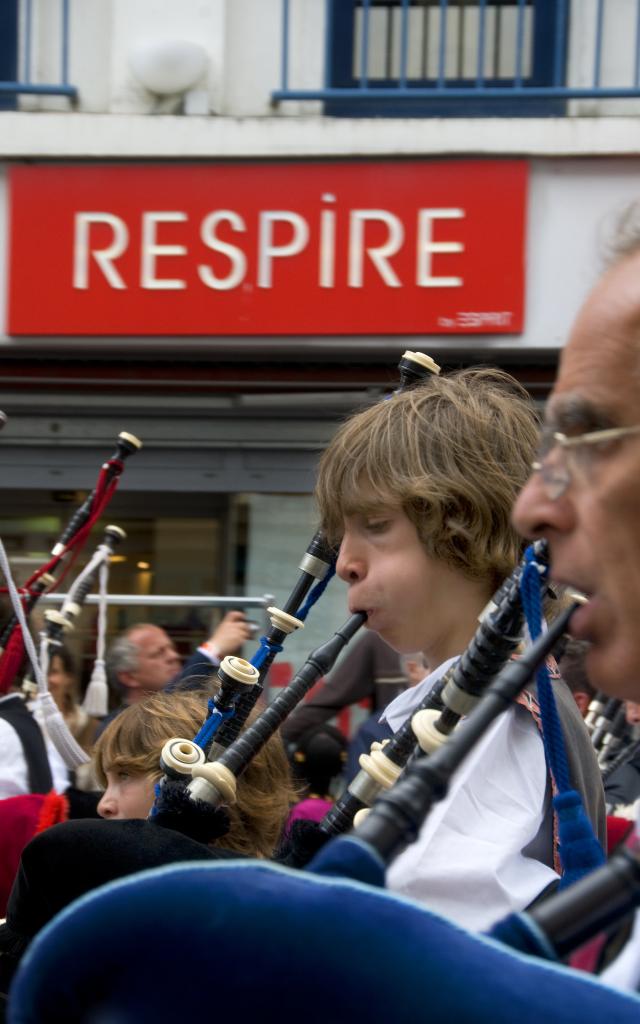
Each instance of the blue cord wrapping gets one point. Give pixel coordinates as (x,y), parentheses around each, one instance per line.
(316,592)
(552,737)
(580,851)
(215,718)
(211,723)
(157,789)
(264,650)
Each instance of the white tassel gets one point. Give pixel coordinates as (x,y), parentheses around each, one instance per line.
(96,698)
(58,731)
(50,718)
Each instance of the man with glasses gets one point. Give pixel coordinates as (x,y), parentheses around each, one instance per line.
(584,492)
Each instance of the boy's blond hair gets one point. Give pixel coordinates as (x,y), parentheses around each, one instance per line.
(452,453)
(132,742)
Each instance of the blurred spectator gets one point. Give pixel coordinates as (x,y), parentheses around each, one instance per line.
(144,660)
(63,685)
(572,670)
(318,760)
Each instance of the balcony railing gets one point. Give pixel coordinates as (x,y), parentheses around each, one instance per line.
(399,56)
(19,50)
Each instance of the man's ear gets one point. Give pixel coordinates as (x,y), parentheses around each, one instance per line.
(583,700)
(128,680)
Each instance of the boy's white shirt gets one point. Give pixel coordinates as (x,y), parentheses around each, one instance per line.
(467,862)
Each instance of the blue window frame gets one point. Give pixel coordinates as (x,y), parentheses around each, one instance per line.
(472,50)
(8,50)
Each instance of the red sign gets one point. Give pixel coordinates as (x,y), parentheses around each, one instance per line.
(418,247)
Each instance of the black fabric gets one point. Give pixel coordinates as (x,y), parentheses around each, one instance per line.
(16,713)
(197,672)
(623,785)
(175,809)
(68,860)
(303,840)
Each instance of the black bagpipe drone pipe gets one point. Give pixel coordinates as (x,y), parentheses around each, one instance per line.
(70,541)
(611,735)
(562,923)
(37,590)
(328,942)
(604,721)
(92,507)
(495,641)
(596,707)
(616,734)
(60,622)
(395,818)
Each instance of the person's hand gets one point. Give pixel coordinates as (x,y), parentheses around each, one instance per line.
(232,632)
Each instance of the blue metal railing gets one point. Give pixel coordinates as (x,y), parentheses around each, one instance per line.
(384,57)
(25,82)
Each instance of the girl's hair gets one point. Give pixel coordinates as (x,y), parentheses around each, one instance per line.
(452,454)
(72,695)
(133,742)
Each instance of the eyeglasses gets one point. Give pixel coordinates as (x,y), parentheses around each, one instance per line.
(555,469)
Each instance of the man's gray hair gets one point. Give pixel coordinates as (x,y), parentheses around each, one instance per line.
(122,656)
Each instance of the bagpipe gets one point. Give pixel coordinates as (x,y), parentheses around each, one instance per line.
(615,741)
(62,556)
(497,637)
(329,942)
(600,901)
(57,625)
(395,818)
(605,721)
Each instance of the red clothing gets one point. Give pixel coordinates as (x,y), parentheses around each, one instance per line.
(21,818)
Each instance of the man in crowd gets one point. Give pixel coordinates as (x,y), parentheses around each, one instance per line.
(584,494)
(143,659)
